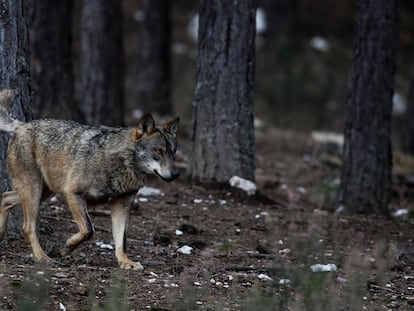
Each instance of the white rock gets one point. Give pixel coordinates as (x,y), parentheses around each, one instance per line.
(301,190)
(340,209)
(185,249)
(261,24)
(153,274)
(54,199)
(284,251)
(324,268)
(399,104)
(178,232)
(400,212)
(198,201)
(104,245)
(61,307)
(264,277)
(192,28)
(143,200)
(328,138)
(284,282)
(320,44)
(243,184)
(149,191)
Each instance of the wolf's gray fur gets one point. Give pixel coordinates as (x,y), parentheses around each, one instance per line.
(82,163)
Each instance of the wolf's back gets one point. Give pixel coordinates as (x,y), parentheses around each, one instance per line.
(7,123)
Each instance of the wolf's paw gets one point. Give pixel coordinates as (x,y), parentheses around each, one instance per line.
(129,264)
(43,258)
(3,228)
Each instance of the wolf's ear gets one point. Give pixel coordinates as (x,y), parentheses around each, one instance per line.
(172,126)
(145,126)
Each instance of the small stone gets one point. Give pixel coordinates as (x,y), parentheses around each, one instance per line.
(264,277)
(185,249)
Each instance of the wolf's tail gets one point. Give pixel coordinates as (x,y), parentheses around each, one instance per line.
(7,123)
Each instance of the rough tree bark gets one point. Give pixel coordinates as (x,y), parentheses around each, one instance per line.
(154,58)
(367,158)
(101,91)
(51,52)
(223,136)
(14,74)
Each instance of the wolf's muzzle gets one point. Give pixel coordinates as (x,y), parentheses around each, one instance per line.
(174,173)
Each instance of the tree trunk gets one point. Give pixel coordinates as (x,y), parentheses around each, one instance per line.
(367,158)
(223,134)
(101,91)
(15,74)
(51,51)
(154,58)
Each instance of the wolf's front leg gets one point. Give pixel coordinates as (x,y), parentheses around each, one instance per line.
(120,214)
(77,205)
(9,200)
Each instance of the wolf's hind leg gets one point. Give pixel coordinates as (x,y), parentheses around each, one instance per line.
(119,215)
(30,199)
(77,205)
(9,200)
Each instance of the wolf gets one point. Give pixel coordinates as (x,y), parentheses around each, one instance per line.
(83,164)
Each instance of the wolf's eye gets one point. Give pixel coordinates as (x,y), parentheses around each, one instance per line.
(158,152)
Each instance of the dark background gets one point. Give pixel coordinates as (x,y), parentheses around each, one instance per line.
(297,86)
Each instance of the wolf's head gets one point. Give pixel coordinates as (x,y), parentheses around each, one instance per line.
(155,147)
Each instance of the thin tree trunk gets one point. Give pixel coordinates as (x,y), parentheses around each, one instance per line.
(154,57)
(14,74)
(51,49)
(367,158)
(223,136)
(101,92)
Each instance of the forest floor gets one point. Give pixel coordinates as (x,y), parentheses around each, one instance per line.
(248,253)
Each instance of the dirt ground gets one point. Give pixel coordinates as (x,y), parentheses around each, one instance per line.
(248,253)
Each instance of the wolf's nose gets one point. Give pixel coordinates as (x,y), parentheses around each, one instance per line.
(175,173)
